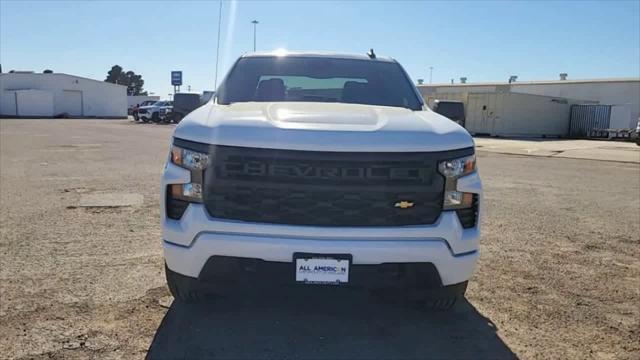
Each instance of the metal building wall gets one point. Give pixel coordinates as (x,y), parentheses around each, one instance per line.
(73,95)
(584,118)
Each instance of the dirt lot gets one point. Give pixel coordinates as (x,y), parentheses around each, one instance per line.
(559,275)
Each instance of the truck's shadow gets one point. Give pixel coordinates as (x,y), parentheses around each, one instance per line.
(322,324)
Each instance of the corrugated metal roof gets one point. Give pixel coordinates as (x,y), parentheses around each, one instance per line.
(536,82)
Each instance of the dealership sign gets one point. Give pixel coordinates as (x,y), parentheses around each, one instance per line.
(176,78)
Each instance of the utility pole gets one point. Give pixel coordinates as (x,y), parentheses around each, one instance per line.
(255,23)
(430,74)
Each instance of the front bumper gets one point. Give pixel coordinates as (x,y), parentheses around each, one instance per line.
(190,261)
(226,274)
(190,242)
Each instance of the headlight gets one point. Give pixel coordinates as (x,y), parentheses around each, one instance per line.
(194,161)
(456,168)
(452,170)
(189,159)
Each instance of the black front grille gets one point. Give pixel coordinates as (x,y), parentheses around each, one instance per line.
(142,111)
(323,188)
(328,207)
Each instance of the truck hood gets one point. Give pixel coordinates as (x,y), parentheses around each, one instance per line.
(322,127)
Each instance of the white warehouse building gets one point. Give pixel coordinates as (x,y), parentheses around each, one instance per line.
(538,108)
(27,94)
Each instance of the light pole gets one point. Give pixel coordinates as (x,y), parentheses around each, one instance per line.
(254,22)
(215,83)
(430,74)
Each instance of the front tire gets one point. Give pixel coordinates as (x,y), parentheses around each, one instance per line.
(183,288)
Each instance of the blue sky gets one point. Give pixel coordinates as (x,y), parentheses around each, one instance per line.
(484,41)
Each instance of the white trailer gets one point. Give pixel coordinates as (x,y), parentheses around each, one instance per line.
(512,114)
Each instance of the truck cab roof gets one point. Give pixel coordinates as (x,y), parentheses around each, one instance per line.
(316,54)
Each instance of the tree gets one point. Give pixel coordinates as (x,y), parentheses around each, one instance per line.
(47,71)
(133,82)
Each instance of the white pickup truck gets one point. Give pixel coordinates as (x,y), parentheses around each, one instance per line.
(320,170)
(155,112)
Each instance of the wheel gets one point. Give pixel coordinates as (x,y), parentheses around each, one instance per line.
(183,288)
(155,118)
(136,117)
(445,298)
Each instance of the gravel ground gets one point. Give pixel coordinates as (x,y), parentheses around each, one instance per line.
(559,274)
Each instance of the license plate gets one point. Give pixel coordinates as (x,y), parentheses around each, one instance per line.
(319,269)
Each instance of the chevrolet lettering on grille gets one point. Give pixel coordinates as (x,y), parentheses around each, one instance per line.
(262,169)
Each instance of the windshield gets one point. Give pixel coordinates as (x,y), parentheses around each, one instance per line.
(277,79)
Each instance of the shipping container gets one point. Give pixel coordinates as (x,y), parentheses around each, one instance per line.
(514,114)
